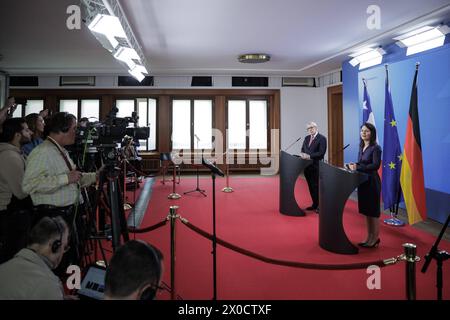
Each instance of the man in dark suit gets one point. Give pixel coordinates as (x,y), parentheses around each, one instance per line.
(314,147)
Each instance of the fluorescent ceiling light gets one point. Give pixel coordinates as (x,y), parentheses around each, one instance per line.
(434,43)
(370,63)
(141,69)
(127,55)
(136,73)
(423,39)
(108,24)
(110,27)
(367,57)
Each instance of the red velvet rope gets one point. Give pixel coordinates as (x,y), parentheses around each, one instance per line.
(147,229)
(361,265)
(142,173)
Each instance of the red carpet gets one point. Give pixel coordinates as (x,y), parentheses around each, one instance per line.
(249,218)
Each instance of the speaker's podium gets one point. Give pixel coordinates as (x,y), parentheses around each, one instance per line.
(335,186)
(290,168)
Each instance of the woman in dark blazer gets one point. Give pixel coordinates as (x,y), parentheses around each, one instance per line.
(369,160)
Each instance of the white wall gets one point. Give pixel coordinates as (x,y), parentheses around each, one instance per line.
(298,106)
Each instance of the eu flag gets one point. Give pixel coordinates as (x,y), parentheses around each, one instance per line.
(392,154)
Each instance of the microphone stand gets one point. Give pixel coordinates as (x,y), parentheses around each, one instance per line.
(197,189)
(333,156)
(440,256)
(214,171)
(292,144)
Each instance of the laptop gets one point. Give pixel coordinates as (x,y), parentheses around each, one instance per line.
(93,284)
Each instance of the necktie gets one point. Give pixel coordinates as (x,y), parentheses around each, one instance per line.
(310,141)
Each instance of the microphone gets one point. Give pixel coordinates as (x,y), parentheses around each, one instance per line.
(340,151)
(196,137)
(292,143)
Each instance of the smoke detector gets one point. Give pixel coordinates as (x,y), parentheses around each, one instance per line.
(254,58)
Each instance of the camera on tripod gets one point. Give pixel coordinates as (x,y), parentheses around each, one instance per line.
(105,137)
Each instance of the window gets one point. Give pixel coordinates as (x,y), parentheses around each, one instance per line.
(147,118)
(237,127)
(70,106)
(89,108)
(192,124)
(32,106)
(258,124)
(247,124)
(181,124)
(203,124)
(126,108)
(18,112)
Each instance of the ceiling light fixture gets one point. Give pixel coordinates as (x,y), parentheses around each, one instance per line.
(367,57)
(127,55)
(423,39)
(254,58)
(107,27)
(138,72)
(107,21)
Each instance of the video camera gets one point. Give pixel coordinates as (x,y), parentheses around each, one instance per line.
(104,137)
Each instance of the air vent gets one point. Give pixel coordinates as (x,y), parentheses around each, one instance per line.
(250,82)
(201,82)
(298,82)
(17,81)
(77,81)
(124,81)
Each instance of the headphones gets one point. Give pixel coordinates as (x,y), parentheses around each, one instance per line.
(150,292)
(57,243)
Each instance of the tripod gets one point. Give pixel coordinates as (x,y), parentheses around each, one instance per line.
(90,232)
(214,171)
(127,205)
(197,189)
(113,201)
(440,256)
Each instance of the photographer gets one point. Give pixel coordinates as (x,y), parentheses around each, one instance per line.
(51,178)
(15,204)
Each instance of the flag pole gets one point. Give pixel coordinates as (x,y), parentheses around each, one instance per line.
(393,220)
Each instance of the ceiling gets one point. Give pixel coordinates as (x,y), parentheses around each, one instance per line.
(303,37)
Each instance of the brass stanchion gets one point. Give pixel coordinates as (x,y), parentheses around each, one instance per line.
(174,195)
(410,257)
(227,189)
(172,216)
(126,205)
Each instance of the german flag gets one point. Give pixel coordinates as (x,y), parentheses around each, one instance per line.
(411,177)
